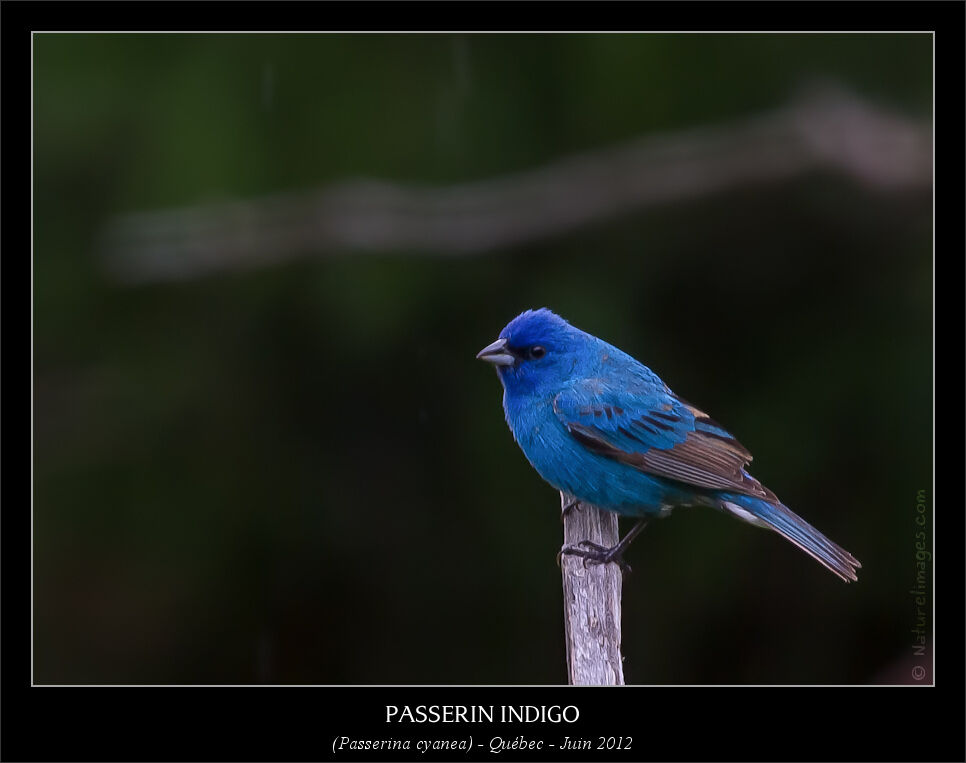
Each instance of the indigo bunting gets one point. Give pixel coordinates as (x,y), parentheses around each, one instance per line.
(599,425)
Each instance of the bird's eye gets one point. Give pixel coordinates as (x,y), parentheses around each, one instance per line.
(537,352)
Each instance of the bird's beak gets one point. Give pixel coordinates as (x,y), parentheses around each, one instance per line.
(496,354)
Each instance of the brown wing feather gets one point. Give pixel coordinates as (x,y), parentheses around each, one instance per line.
(703,460)
(707,460)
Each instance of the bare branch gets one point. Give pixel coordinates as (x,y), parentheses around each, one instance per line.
(827,129)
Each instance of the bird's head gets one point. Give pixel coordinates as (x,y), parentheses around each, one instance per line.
(536,349)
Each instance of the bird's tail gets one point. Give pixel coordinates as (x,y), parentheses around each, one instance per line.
(781,519)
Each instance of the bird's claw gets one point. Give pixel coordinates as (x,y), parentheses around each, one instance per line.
(573,505)
(595,554)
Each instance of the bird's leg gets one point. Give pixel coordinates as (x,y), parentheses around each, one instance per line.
(597,554)
(572,505)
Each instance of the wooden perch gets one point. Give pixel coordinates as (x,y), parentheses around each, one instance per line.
(592,600)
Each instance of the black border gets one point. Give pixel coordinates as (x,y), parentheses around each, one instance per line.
(170,723)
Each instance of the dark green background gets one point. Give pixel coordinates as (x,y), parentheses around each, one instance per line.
(300,474)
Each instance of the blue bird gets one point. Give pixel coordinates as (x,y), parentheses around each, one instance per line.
(600,426)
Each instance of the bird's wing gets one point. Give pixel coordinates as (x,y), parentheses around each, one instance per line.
(653,430)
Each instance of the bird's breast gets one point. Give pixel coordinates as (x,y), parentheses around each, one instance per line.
(530,421)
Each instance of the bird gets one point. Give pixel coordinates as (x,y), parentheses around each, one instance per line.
(603,428)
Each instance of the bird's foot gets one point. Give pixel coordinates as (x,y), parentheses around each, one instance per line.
(597,554)
(573,505)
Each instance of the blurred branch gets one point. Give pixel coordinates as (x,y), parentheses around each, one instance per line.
(827,129)
(592,600)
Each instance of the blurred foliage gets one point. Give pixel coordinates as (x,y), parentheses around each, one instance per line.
(301,474)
